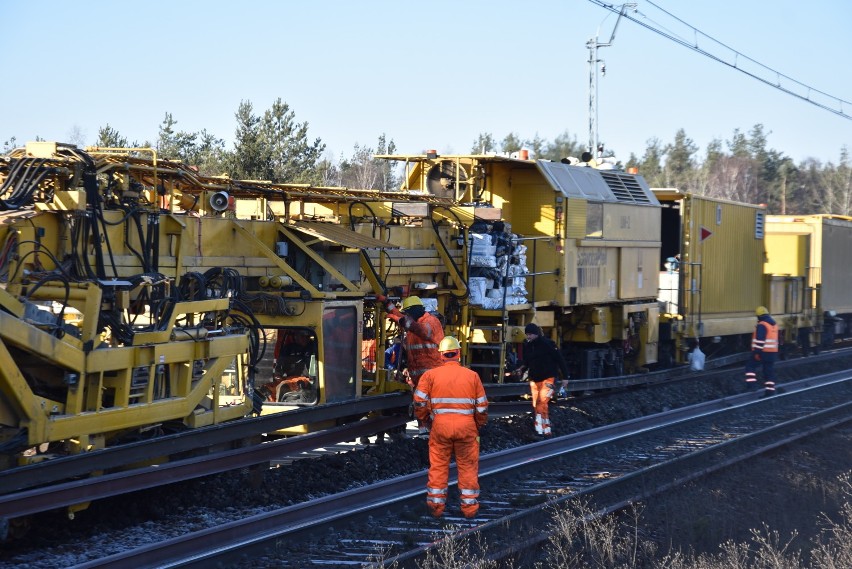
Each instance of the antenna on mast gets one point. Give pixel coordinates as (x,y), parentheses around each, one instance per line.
(593,46)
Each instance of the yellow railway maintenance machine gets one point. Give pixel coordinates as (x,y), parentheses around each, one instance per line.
(711,276)
(299,271)
(573,249)
(718,265)
(97,341)
(140,297)
(815,248)
(423,255)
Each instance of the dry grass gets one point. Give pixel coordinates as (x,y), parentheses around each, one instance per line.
(582,538)
(448,553)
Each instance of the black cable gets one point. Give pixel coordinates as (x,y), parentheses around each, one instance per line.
(257,341)
(93,206)
(153,248)
(24,178)
(36,251)
(134,214)
(694,47)
(390,266)
(58,328)
(144,241)
(128,212)
(74,229)
(192,286)
(99,214)
(449,256)
(372,213)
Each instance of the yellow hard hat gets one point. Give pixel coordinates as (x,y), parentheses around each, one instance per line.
(761,311)
(449,344)
(411,301)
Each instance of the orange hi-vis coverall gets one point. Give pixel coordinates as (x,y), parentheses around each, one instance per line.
(453,397)
(422,337)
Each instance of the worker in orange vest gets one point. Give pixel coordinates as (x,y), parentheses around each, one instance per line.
(452,398)
(423,333)
(764,350)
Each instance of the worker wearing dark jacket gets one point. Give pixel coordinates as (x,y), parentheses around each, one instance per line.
(453,399)
(543,363)
(764,350)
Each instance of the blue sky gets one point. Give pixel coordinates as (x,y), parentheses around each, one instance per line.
(428,74)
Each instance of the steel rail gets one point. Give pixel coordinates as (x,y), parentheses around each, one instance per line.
(659,376)
(43,499)
(200,548)
(614,495)
(53,470)
(58,469)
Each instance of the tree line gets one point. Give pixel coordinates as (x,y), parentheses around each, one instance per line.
(743,168)
(271,146)
(274,146)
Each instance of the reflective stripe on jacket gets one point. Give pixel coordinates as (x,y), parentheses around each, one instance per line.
(451,390)
(765,336)
(421,344)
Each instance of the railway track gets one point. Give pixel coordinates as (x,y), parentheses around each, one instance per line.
(64,482)
(332,441)
(221,438)
(611,466)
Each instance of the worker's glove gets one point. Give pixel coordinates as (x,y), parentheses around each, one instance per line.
(757,356)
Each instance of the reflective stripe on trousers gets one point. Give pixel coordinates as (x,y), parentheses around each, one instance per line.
(454,434)
(542,392)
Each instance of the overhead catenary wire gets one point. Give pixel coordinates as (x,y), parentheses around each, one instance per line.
(773,78)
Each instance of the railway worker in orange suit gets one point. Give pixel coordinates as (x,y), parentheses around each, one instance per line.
(423,333)
(452,398)
(543,363)
(764,350)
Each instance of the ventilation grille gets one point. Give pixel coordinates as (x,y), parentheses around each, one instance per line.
(625,187)
(759,224)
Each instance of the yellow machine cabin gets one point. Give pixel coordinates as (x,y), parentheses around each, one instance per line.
(574,249)
(141,297)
